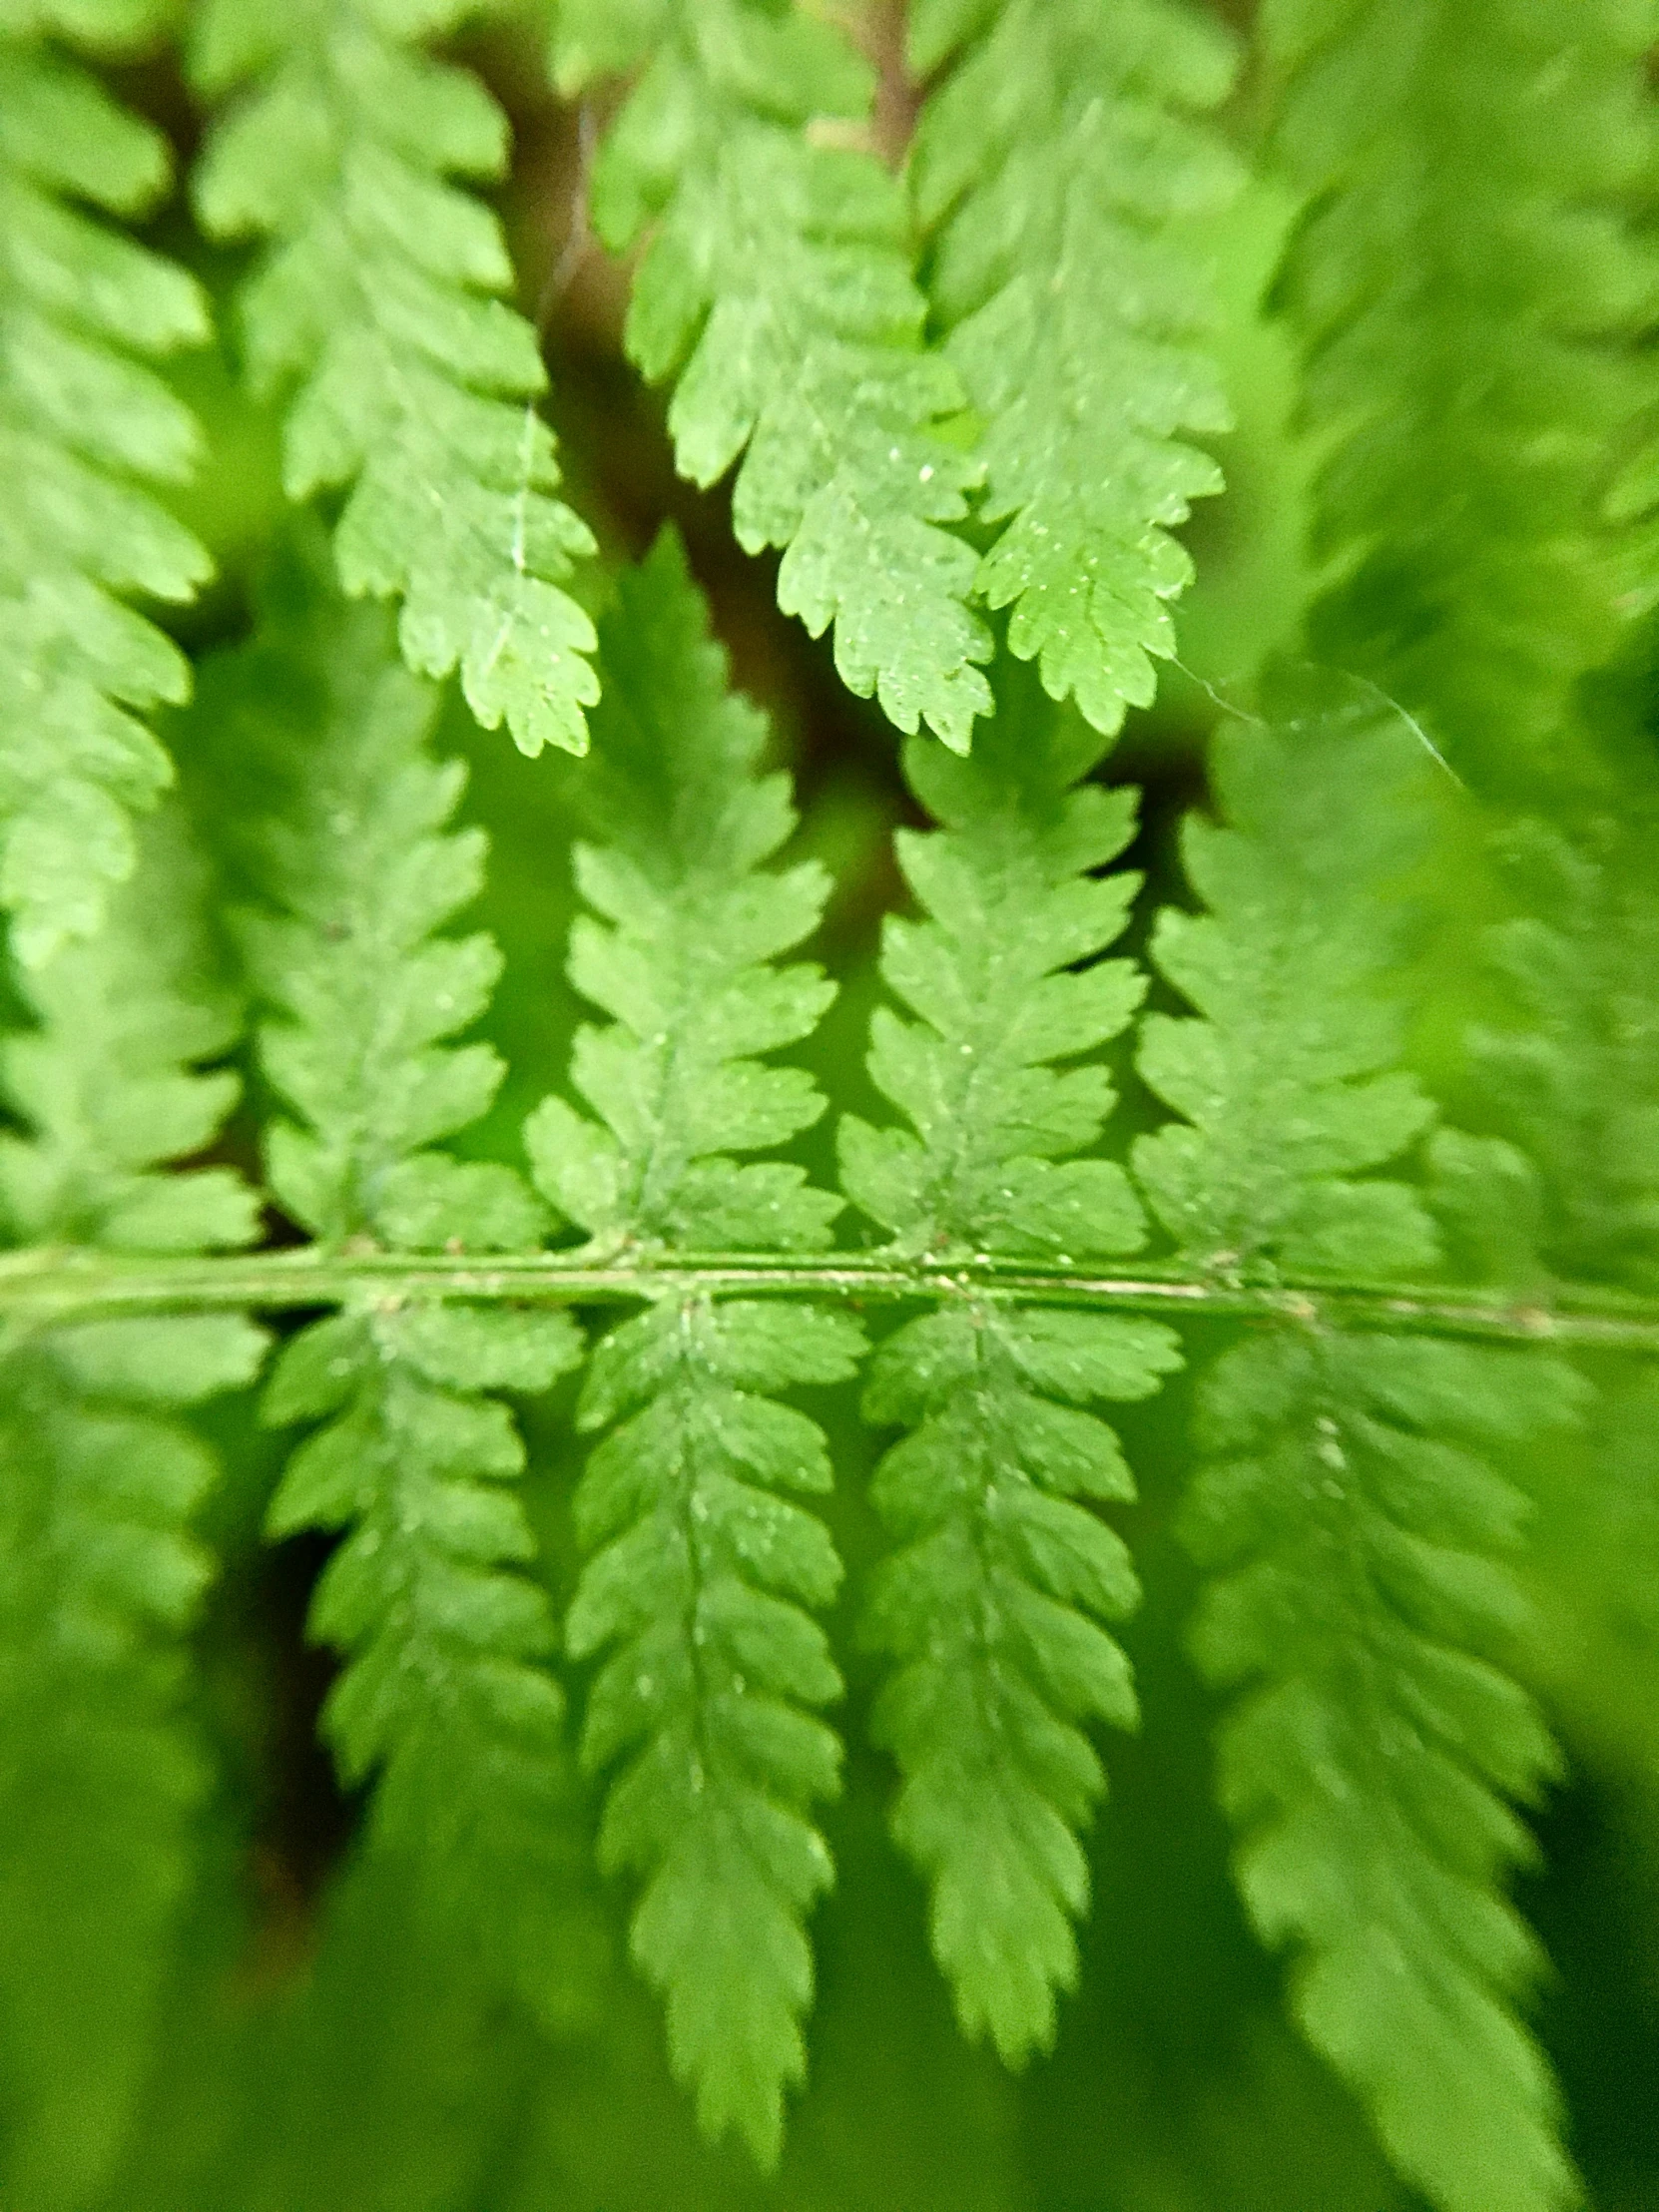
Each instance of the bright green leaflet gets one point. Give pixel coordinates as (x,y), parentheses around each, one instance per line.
(101,1765)
(703,1576)
(372,313)
(446,1696)
(991,1607)
(1361,1603)
(776,292)
(1062,172)
(87,433)
(1466,285)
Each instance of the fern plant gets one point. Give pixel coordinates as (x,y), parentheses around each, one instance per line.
(749,1465)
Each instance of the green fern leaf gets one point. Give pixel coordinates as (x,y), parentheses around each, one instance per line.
(101,1770)
(992,1605)
(1361,1602)
(1289,1086)
(702,1579)
(1576,1083)
(777,293)
(1059,168)
(372,311)
(446,1694)
(1466,286)
(87,432)
(106,1084)
(1354,1534)
(1571,1075)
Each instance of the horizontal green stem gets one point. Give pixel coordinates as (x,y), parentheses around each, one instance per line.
(50,1285)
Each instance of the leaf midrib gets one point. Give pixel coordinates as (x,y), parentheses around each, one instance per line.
(53,1286)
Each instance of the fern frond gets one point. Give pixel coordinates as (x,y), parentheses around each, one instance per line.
(776,292)
(1466,285)
(1060,168)
(373,310)
(101,1772)
(1361,1601)
(993,1604)
(87,432)
(702,1578)
(445,1695)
